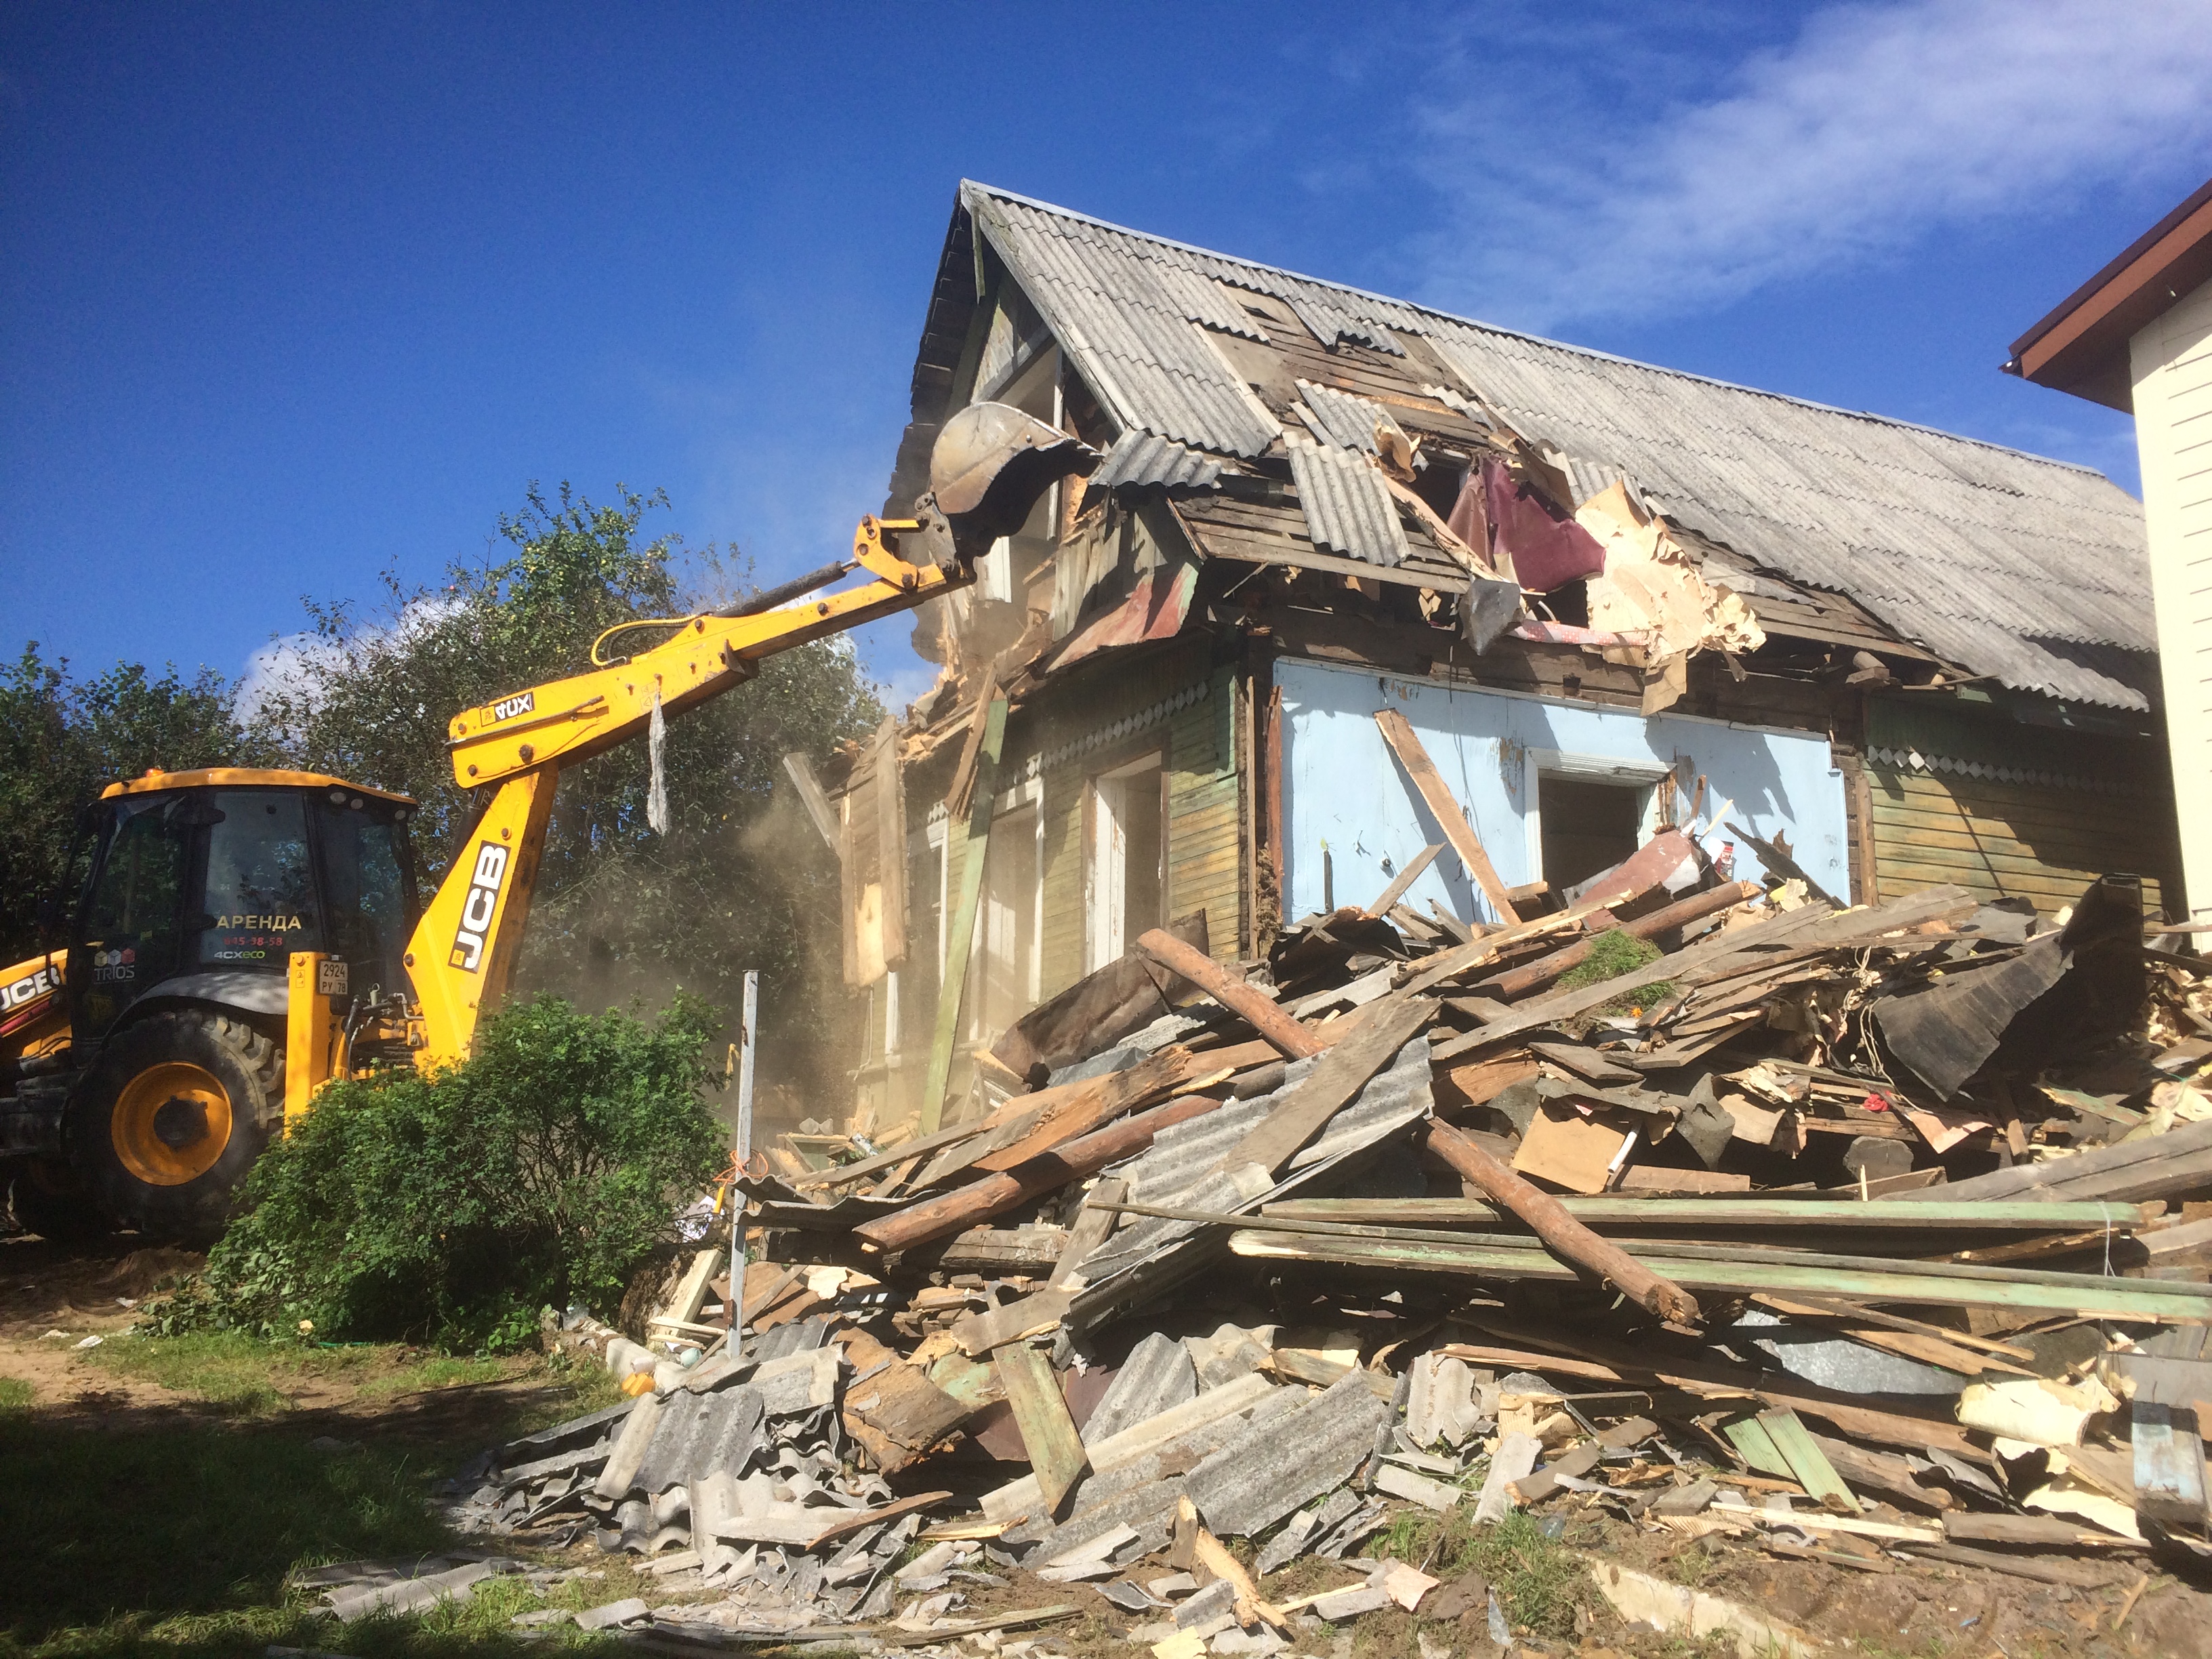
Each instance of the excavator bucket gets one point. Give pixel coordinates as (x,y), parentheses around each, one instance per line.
(992,463)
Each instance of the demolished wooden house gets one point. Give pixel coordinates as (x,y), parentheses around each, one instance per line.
(1368,599)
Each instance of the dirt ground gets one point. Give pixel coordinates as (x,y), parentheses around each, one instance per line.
(54,1296)
(420,1412)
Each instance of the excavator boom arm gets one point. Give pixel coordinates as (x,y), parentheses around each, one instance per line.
(990,464)
(462,953)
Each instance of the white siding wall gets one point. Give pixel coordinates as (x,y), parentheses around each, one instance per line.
(2173,369)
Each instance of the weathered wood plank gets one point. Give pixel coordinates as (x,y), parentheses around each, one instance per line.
(1405,877)
(1808,1465)
(1056,1449)
(1406,744)
(1338,1076)
(1092,1224)
(952,986)
(1881,1214)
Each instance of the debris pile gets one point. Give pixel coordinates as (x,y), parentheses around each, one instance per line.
(1869,1235)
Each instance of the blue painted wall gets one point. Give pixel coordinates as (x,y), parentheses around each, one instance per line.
(1344,787)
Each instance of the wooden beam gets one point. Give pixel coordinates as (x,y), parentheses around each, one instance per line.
(964,1206)
(1399,733)
(1336,1077)
(953,986)
(1292,1040)
(1548,1218)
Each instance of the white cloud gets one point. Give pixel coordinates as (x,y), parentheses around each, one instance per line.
(1876,125)
(291,660)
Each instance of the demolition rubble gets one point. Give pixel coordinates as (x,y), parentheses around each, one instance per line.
(1870,1237)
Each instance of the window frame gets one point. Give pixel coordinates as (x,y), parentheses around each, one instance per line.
(1642,775)
(1105,890)
(1026,793)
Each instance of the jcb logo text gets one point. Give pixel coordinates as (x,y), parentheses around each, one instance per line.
(482,903)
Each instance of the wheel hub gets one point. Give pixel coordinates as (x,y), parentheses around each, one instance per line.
(178,1121)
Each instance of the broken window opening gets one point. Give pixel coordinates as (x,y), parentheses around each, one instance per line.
(1569,603)
(1125,876)
(1586,813)
(1587,826)
(1439,484)
(1003,963)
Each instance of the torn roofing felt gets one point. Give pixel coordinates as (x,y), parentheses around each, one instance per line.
(2029,570)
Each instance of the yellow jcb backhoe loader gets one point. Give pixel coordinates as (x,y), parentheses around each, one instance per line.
(244,937)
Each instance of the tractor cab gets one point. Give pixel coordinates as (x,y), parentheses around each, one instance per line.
(167,1075)
(203,883)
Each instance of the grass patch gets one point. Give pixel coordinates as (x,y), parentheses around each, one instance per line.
(229,1369)
(1538,1580)
(439,1371)
(1692,1565)
(241,1373)
(1614,954)
(15,1394)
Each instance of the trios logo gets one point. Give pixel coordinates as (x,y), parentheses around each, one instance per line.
(479,906)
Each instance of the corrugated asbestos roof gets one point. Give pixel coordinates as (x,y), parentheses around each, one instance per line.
(1268,1471)
(2031,570)
(1157,1375)
(1346,420)
(699,1433)
(1347,508)
(1140,461)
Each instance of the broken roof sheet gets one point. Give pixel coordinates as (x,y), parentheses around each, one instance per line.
(1347,508)
(2031,570)
(1346,420)
(1140,460)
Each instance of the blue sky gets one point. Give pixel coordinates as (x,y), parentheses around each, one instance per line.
(295,294)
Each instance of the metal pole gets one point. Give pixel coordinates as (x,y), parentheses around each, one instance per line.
(748,1046)
(747,1043)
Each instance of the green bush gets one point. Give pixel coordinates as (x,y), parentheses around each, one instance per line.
(1613,954)
(450,1208)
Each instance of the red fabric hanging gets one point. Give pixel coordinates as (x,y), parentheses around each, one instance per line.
(1546,550)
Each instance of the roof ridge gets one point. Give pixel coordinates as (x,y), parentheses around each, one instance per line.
(1593,352)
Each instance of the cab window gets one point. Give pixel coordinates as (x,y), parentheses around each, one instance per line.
(131,915)
(366,875)
(260,885)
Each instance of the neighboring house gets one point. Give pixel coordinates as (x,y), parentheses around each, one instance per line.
(2137,336)
(1873,653)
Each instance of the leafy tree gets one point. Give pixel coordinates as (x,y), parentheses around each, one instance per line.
(63,740)
(452,1207)
(620,914)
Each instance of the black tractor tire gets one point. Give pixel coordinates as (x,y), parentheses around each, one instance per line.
(171,1117)
(48,1199)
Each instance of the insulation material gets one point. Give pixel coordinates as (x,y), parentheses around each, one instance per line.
(1649,586)
(872,859)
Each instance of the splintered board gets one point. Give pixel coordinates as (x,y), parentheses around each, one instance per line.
(1056,1449)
